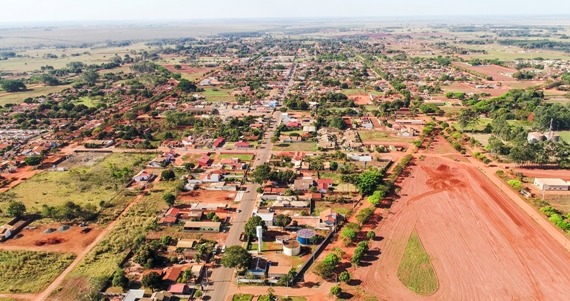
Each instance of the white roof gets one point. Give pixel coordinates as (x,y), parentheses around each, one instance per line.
(553,181)
(133,295)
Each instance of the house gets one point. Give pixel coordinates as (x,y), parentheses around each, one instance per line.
(278,271)
(143,176)
(219,142)
(204,161)
(267,217)
(534,137)
(242,145)
(188,141)
(134,295)
(179,289)
(197,271)
(360,157)
(329,218)
(367,123)
(302,184)
(167,221)
(293,125)
(162,296)
(186,243)
(203,226)
(323,185)
(171,274)
(258,266)
(551,184)
(290,139)
(309,128)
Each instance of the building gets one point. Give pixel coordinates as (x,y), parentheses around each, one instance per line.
(551,184)
(305,236)
(258,267)
(179,289)
(291,247)
(203,226)
(134,295)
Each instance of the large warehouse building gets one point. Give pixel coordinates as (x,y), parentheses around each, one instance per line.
(550,184)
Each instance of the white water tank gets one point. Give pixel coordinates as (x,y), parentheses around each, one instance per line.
(291,248)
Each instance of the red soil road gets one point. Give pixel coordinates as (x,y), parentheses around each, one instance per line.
(545,173)
(483,246)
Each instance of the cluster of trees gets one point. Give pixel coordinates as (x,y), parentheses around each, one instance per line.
(236,257)
(251,225)
(70,211)
(10,85)
(264,173)
(326,267)
(359,252)
(557,217)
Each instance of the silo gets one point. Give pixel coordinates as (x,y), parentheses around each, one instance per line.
(304,236)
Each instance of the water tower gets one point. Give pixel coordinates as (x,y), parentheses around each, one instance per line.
(259,233)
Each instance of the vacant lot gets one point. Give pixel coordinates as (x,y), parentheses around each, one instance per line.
(243,157)
(298,146)
(381,136)
(218,95)
(82,185)
(30,272)
(475,236)
(103,260)
(415,270)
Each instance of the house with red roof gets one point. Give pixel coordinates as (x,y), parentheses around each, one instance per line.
(172,274)
(179,289)
(204,161)
(219,142)
(323,185)
(242,145)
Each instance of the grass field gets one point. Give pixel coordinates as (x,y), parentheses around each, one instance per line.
(217,95)
(81,185)
(380,136)
(243,157)
(87,101)
(349,92)
(33,91)
(415,270)
(30,272)
(103,260)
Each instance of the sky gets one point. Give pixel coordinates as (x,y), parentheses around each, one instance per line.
(117,10)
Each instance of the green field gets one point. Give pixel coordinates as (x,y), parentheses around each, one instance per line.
(242,157)
(380,136)
(87,101)
(213,95)
(349,92)
(33,91)
(242,297)
(82,185)
(103,260)
(415,270)
(30,272)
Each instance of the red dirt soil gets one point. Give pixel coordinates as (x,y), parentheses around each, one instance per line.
(482,245)
(71,240)
(545,173)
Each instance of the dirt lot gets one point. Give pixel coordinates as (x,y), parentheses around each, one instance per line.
(71,240)
(208,196)
(478,240)
(545,173)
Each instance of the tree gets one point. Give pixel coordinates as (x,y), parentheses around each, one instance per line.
(376,197)
(119,278)
(368,181)
(12,85)
(90,77)
(348,234)
(189,166)
(168,175)
(151,280)
(16,209)
(261,173)
(33,160)
(169,198)
(364,215)
(344,277)
(333,165)
(467,117)
(336,290)
(252,224)
(370,235)
(282,220)
(236,257)
(185,85)
(271,295)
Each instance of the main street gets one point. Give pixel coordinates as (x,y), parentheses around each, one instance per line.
(222,277)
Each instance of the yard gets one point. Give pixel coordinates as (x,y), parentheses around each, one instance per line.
(242,157)
(381,136)
(87,101)
(415,270)
(564,135)
(218,95)
(30,272)
(82,185)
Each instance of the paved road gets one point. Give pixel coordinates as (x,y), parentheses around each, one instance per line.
(222,277)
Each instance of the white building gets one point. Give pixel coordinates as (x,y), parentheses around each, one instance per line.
(550,184)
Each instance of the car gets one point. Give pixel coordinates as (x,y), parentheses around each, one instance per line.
(223,248)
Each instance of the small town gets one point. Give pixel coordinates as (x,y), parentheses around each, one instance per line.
(299,160)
